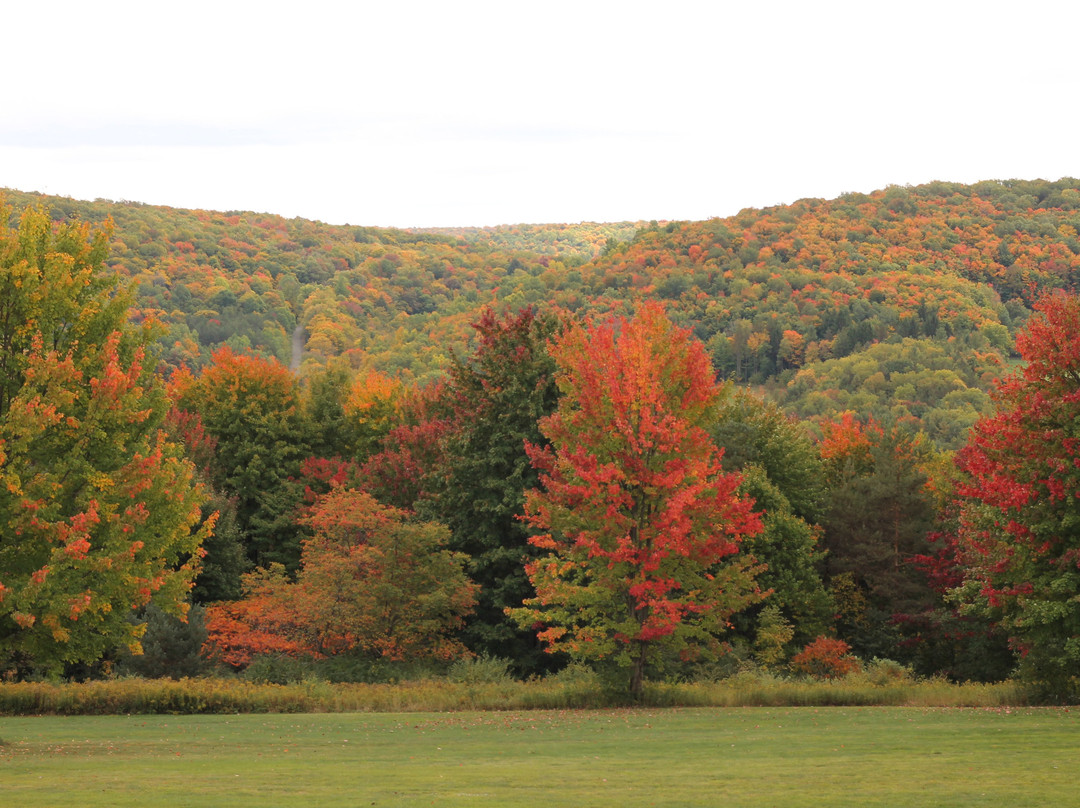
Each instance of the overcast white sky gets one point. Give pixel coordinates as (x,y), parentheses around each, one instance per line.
(478,113)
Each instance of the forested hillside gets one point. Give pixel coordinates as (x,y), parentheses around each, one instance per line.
(903,302)
(569,242)
(670,448)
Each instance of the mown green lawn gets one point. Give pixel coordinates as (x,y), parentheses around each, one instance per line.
(757,757)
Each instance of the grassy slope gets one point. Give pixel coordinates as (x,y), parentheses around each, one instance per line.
(706,757)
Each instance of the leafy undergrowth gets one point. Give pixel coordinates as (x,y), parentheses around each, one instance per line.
(575,691)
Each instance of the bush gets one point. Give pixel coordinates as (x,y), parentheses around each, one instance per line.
(359,668)
(887,672)
(773,635)
(278,669)
(197,696)
(483,669)
(574,676)
(825,658)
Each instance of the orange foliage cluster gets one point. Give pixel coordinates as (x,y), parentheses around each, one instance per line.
(825,658)
(369,580)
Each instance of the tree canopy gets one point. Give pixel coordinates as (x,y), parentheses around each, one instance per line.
(1019,529)
(641,525)
(97,507)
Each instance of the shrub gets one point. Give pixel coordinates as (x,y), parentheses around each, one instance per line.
(191,696)
(361,668)
(773,635)
(825,658)
(575,675)
(888,672)
(278,669)
(480,670)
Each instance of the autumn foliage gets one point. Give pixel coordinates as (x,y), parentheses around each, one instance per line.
(640,524)
(487,401)
(825,658)
(1017,541)
(371,581)
(97,506)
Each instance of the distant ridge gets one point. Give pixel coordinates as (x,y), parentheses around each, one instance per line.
(902,302)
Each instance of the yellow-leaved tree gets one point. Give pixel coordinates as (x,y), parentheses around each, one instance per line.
(97,508)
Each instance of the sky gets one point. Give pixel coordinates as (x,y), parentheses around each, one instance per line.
(425,114)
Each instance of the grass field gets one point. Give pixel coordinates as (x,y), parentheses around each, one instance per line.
(828,756)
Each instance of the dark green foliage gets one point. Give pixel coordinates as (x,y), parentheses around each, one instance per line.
(170,646)
(251,409)
(789,548)
(876,526)
(499,394)
(331,433)
(363,668)
(784,476)
(278,669)
(963,648)
(223,561)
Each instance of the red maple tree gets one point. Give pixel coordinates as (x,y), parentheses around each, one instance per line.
(1017,542)
(641,524)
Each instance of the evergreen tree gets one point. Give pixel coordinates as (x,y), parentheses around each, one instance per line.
(876,528)
(498,395)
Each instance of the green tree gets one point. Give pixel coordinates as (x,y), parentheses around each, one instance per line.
(752,431)
(251,409)
(97,507)
(223,557)
(789,548)
(783,475)
(880,513)
(497,397)
(171,647)
(324,400)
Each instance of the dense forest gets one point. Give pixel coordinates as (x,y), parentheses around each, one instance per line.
(903,303)
(666,449)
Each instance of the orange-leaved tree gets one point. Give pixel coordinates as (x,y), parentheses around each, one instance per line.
(641,525)
(380,581)
(372,580)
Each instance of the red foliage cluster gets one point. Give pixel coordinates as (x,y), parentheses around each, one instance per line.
(825,658)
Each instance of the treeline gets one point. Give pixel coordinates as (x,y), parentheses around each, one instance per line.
(585,490)
(316,479)
(506,497)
